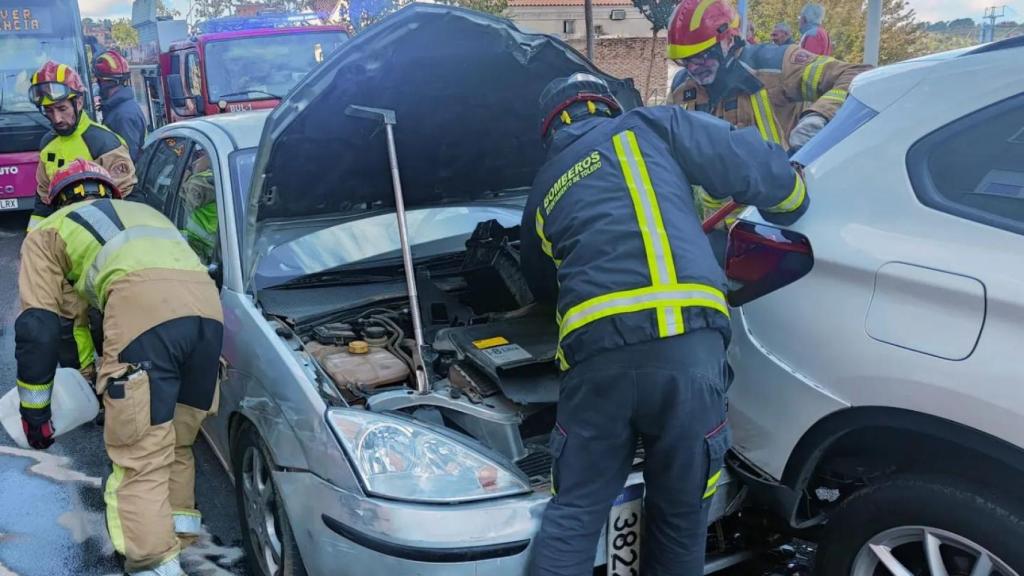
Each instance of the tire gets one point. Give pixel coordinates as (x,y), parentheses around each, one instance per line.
(902,516)
(270,547)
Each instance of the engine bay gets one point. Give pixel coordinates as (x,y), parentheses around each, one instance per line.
(489,352)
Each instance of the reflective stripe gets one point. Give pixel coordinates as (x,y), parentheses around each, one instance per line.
(33,221)
(818,73)
(100,222)
(675,296)
(836,95)
(170,567)
(545,244)
(115,244)
(698,14)
(62,72)
(764,117)
(679,51)
(113,515)
(795,198)
(769,116)
(712,485)
(34,396)
(186,522)
(812,77)
(652,229)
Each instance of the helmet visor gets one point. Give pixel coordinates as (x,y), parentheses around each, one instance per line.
(49,92)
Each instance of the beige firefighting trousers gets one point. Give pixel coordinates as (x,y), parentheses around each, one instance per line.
(150,495)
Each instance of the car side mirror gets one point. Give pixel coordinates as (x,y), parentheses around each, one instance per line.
(217,273)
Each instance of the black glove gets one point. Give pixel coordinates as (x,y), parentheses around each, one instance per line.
(38,430)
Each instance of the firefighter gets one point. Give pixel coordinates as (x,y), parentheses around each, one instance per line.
(121,113)
(612,240)
(58,92)
(200,203)
(163,332)
(788,93)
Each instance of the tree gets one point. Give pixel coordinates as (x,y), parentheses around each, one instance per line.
(496,7)
(961,23)
(123,34)
(163,11)
(658,13)
(903,36)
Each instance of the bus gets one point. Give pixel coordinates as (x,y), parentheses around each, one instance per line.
(31,32)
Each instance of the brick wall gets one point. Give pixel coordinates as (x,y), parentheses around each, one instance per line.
(629,58)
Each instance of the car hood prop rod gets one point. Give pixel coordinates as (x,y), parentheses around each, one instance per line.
(387,118)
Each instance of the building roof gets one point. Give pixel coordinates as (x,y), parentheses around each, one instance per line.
(574,3)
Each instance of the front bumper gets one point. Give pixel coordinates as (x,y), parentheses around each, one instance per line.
(343,534)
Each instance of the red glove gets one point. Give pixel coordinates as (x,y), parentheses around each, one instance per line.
(39,436)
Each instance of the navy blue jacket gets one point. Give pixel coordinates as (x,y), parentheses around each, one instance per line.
(123,115)
(611,216)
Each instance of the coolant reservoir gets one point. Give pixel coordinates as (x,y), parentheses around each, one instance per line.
(359,367)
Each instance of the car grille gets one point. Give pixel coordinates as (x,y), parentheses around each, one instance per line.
(537,463)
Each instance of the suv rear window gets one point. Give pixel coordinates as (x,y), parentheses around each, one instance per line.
(852,115)
(974,167)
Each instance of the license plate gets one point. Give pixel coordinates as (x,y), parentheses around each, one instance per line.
(625,522)
(8,204)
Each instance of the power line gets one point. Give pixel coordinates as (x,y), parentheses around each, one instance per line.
(988,31)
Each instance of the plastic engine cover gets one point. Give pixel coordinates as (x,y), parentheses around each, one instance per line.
(518,354)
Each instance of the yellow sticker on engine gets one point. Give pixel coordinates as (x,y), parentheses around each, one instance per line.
(490,342)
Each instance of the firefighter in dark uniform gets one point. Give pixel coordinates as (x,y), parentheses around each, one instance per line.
(611,236)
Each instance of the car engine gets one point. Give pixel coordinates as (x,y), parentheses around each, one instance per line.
(490,353)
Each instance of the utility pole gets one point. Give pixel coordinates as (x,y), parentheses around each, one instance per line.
(588,19)
(873,34)
(988,32)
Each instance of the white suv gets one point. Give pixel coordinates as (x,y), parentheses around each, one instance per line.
(878,403)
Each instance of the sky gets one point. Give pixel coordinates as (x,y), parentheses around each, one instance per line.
(930,10)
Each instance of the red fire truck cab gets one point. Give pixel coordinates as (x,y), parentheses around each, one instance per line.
(241,63)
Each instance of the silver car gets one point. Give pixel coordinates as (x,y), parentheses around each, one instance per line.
(352,451)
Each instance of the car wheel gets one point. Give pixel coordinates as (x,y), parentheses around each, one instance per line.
(267,535)
(922,527)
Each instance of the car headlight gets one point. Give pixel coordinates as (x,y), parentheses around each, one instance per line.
(408,460)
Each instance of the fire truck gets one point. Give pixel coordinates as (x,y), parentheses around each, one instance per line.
(234,64)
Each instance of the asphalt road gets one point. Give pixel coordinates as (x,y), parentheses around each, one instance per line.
(51,503)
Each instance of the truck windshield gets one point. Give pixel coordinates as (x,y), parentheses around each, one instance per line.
(32,32)
(259,67)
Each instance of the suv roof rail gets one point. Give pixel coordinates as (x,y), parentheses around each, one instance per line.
(1015,42)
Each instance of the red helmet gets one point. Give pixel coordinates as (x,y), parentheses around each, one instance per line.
(53,83)
(111,64)
(697,25)
(79,180)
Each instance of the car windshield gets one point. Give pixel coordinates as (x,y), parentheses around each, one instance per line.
(433,231)
(851,116)
(262,67)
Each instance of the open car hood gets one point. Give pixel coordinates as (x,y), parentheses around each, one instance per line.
(465,89)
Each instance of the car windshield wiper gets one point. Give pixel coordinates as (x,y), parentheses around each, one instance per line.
(379,269)
(247,92)
(334,278)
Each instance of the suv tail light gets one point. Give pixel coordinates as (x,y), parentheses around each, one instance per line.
(761,259)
